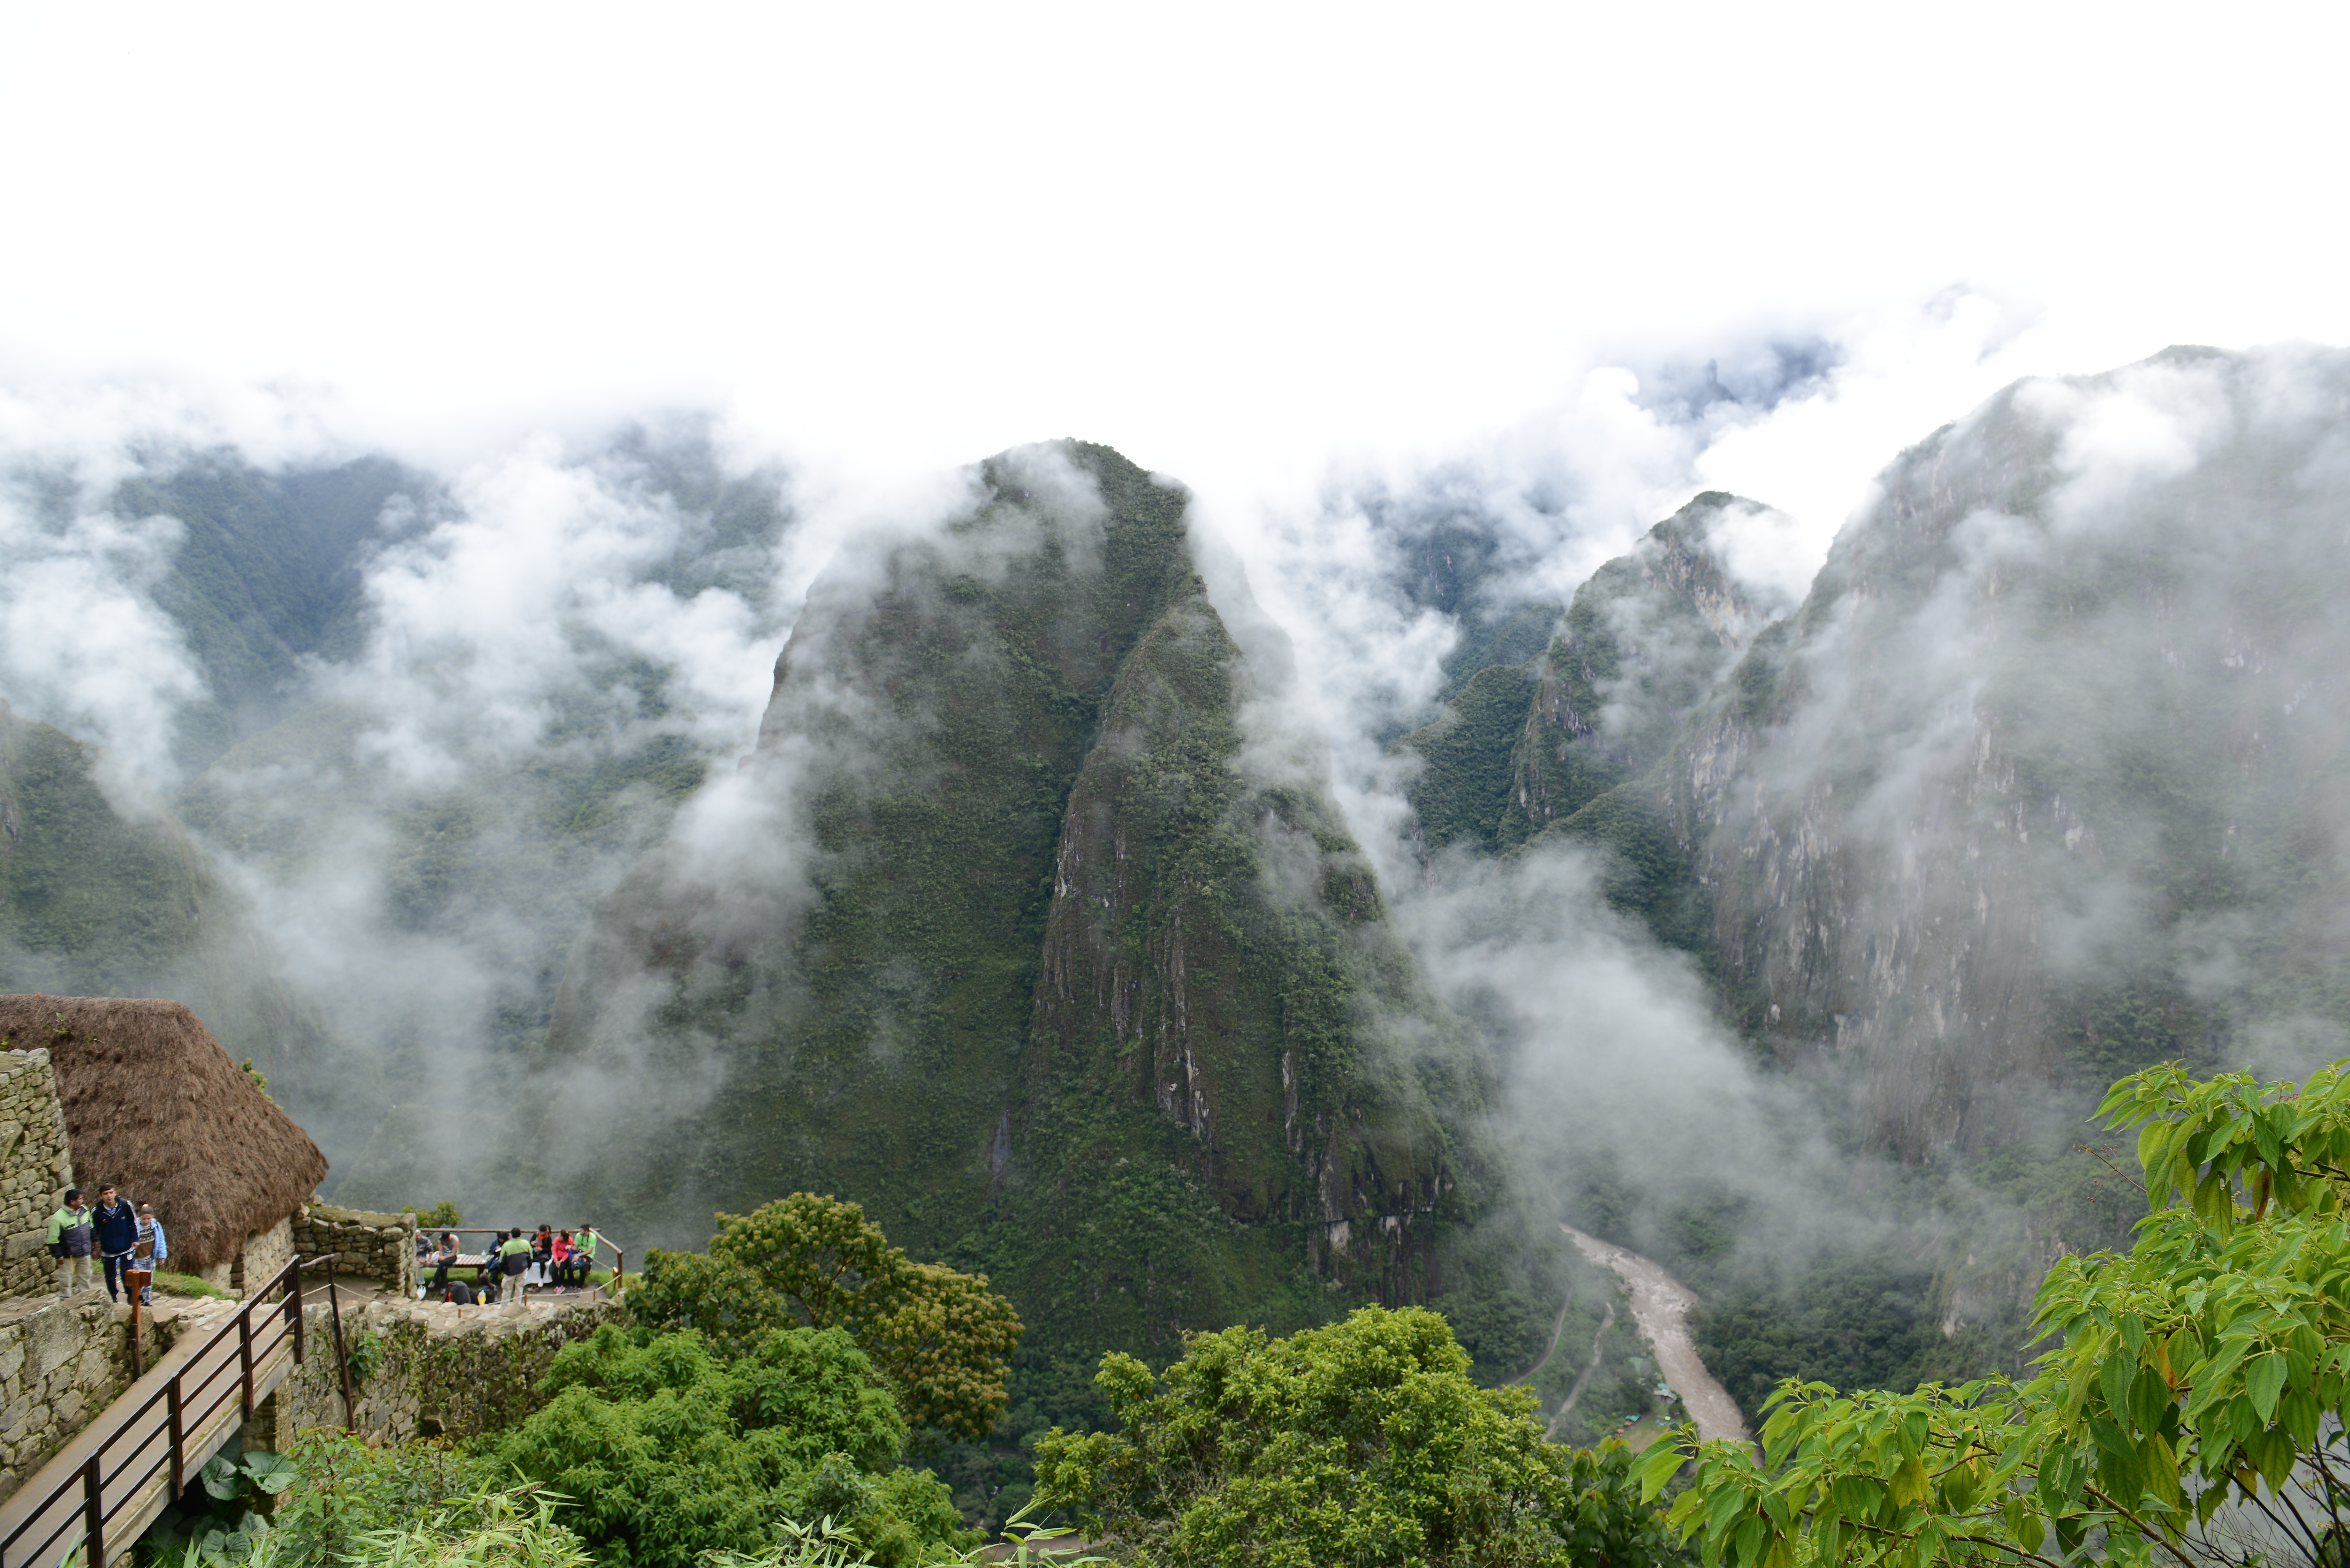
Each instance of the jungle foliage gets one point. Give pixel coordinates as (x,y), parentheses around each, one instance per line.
(1361,1442)
(2191,1406)
(941,1340)
(665,1450)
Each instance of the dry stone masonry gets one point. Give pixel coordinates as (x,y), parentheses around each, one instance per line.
(62,1363)
(36,1168)
(380,1247)
(432,1370)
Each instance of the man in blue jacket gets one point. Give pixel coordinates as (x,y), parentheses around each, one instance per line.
(118,1237)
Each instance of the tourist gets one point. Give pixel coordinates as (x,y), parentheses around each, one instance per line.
(562,1259)
(71,1241)
(583,1242)
(542,1255)
(485,1278)
(513,1255)
(150,1251)
(442,1259)
(118,1237)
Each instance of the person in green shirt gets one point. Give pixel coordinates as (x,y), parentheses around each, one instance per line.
(583,1242)
(72,1241)
(514,1257)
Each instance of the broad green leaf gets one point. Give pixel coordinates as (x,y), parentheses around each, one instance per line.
(2263,1378)
(1662,1462)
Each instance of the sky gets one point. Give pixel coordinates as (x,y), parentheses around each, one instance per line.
(1248,246)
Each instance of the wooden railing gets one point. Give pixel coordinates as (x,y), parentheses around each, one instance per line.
(143,1446)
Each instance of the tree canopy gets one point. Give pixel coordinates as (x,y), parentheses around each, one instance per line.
(941,1340)
(1361,1442)
(2191,1406)
(665,1451)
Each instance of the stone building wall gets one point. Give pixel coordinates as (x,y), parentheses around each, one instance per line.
(440,1370)
(36,1168)
(379,1247)
(61,1363)
(265,1252)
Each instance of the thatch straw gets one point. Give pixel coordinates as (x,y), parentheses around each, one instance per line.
(154,1105)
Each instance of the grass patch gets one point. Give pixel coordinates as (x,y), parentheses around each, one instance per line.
(172,1284)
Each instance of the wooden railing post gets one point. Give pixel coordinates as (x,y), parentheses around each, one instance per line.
(294,1305)
(342,1355)
(95,1506)
(245,1353)
(171,1399)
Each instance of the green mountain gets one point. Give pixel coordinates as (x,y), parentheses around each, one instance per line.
(1005,934)
(375,934)
(1016,926)
(96,903)
(266,572)
(1560,742)
(2036,788)
(2039,786)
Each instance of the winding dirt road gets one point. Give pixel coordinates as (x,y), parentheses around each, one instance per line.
(1659,1305)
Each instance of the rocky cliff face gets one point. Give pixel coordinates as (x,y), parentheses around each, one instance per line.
(2040,784)
(1000,934)
(1522,746)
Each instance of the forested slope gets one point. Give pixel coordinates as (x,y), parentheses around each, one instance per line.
(1000,934)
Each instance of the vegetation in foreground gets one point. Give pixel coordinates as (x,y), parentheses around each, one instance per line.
(1362,1442)
(757,1409)
(2194,1407)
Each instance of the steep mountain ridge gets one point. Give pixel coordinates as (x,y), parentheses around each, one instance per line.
(2036,786)
(2040,784)
(1039,975)
(1565,741)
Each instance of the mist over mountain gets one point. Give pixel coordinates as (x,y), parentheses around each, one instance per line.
(1185,939)
(409,727)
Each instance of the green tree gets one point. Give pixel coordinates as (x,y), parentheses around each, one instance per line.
(1364,1442)
(729,1305)
(667,1451)
(2192,1405)
(941,1340)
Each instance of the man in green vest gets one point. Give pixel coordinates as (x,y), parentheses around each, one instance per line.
(71,1241)
(514,1257)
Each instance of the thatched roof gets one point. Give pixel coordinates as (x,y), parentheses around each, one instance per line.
(154,1105)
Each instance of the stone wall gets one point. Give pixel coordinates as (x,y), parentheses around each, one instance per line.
(36,1168)
(379,1247)
(264,1253)
(444,1371)
(60,1363)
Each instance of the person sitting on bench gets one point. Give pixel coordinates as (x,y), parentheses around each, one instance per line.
(442,1260)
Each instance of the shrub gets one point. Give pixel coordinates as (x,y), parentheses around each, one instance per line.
(941,1340)
(1362,1442)
(668,1451)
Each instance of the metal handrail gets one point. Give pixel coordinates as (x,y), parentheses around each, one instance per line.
(185,1408)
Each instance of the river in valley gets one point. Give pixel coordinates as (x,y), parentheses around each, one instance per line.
(1660,1305)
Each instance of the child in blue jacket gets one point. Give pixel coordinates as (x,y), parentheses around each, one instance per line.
(151,1252)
